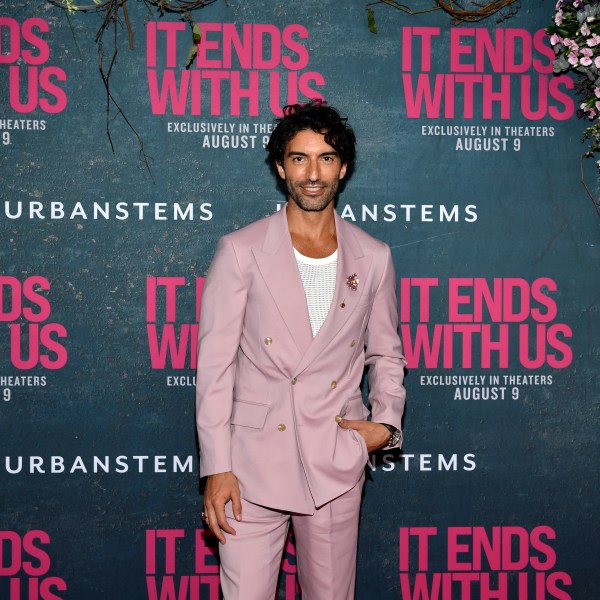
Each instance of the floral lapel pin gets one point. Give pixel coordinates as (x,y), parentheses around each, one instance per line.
(352,281)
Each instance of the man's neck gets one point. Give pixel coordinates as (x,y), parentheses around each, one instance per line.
(313,233)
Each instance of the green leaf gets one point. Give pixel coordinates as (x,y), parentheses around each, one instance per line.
(191,56)
(197,33)
(371,20)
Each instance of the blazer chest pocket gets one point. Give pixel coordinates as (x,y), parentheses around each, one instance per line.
(249,414)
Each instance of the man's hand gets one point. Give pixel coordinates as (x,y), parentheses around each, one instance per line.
(376,435)
(220,489)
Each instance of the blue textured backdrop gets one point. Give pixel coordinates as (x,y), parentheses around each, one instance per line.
(521,213)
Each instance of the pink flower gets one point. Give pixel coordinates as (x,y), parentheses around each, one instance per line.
(569,43)
(587,54)
(577,3)
(590,112)
(558,17)
(597,62)
(573,59)
(555,39)
(597,92)
(585,30)
(597,104)
(593,41)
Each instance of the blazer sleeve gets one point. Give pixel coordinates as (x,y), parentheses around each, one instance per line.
(383,352)
(221,321)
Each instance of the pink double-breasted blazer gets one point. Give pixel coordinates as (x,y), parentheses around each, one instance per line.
(268,393)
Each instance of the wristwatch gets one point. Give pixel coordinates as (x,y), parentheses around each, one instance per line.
(395,435)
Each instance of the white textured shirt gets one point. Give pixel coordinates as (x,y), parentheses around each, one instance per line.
(318,278)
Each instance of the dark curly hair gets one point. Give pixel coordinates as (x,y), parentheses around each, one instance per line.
(319,117)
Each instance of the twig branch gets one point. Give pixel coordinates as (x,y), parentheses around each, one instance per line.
(110,14)
(593,198)
(461,15)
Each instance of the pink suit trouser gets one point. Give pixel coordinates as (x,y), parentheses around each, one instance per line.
(325,550)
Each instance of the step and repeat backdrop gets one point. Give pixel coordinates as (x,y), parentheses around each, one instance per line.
(111,206)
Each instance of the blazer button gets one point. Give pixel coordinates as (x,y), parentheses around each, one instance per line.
(268,341)
(339,418)
(352,343)
(333,384)
(281,427)
(294,381)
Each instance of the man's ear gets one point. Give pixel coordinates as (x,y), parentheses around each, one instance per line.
(280,169)
(343,171)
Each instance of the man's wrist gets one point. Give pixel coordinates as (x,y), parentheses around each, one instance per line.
(395,435)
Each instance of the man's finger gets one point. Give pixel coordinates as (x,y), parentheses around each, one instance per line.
(236,505)
(211,521)
(222,520)
(350,423)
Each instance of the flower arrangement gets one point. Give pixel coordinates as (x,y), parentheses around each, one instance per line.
(575,37)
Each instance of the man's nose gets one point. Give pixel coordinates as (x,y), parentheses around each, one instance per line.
(313,170)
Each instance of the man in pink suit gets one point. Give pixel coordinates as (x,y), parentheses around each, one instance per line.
(294,307)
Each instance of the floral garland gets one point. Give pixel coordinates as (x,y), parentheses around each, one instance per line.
(575,37)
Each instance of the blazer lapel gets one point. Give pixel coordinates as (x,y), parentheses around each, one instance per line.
(351,261)
(277,264)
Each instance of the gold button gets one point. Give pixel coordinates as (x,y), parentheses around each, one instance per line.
(343,305)
(333,384)
(294,381)
(339,418)
(352,343)
(268,341)
(281,427)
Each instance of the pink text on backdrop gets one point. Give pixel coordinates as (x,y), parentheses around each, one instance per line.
(169,340)
(501,562)
(25,565)
(481,319)
(488,73)
(233,67)
(166,550)
(25,308)
(32,85)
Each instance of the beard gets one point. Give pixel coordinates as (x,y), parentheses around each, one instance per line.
(308,202)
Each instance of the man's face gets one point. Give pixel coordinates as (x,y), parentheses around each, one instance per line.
(312,170)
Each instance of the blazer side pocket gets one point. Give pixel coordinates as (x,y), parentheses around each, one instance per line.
(248,414)
(354,408)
